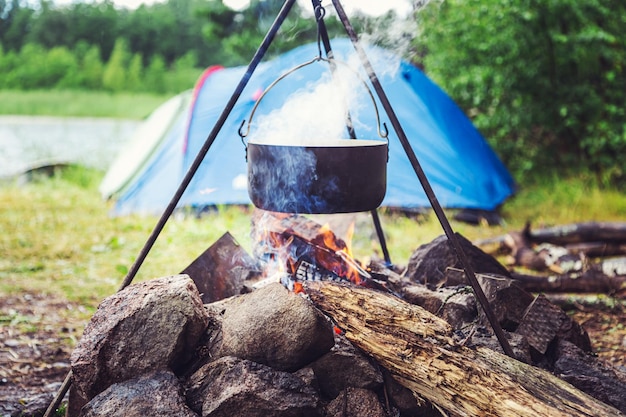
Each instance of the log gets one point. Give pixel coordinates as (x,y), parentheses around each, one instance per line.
(608,277)
(590,238)
(419,350)
(614,232)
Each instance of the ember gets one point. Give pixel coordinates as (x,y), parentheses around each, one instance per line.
(296,249)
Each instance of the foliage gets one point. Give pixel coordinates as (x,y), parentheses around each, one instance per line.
(158,48)
(114,76)
(544,80)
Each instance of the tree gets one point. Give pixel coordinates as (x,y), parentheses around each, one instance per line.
(14,24)
(543,80)
(92,69)
(114,76)
(154,79)
(134,74)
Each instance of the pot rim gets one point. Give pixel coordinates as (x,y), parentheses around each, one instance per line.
(320,143)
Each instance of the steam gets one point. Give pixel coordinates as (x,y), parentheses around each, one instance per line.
(316,113)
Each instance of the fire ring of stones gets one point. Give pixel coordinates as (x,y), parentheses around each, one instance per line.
(155,349)
(409,345)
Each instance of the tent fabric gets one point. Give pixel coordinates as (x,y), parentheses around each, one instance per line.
(463,170)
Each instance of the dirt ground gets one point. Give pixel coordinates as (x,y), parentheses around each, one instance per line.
(38,333)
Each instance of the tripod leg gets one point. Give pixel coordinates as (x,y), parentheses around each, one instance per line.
(443,220)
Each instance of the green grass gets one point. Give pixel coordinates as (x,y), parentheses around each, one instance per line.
(58,238)
(65,103)
(56,235)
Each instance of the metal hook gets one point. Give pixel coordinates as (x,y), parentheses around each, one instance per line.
(320,13)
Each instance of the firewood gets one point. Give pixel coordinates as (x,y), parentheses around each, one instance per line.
(594,238)
(419,350)
(608,277)
(614,232)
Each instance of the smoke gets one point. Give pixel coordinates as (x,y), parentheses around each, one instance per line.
(315,114)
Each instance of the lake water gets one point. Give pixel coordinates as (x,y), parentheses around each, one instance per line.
(27,142)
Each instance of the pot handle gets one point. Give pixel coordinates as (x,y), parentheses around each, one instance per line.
(383,132)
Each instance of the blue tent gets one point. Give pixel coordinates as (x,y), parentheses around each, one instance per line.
(463,170)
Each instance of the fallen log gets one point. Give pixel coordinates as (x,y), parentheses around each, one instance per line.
(419,350)
(594,239)
(614,232)
(608,277)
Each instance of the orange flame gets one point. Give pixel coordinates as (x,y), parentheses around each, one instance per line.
(287,244)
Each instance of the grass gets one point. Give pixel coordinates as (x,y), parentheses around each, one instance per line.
(58,238)
(66,103)
(56,235)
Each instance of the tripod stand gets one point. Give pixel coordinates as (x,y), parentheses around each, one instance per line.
(258,56)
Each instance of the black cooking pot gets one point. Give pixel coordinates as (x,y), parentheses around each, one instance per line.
(317,176)
(333,176)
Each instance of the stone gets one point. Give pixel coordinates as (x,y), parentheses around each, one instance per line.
(355,402)
(233,387)
(275,327)
(507,300)
(158,394)
(456,305)
(343,367)
(591,374)
(429,262)
(543,322)
(147,326)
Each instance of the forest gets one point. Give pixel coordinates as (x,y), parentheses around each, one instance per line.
(544,81)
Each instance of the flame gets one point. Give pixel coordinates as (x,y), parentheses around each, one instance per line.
(349,237)
(284,242)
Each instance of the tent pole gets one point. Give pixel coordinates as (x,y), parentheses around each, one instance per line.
(322,32)
(445,224)
(132,272)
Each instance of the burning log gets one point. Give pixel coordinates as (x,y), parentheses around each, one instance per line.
(305,250)
(419,350)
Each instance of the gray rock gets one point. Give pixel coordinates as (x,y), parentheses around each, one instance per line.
(455,305)
(275,327)
(159,394)
(591,374)
(345,366)
(355,402)
(232,387)
(428,263)
(145,327)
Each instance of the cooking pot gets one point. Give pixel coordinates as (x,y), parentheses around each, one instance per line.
(320,176)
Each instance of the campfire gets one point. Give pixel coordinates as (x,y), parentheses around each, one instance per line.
(297,250)
(303,329)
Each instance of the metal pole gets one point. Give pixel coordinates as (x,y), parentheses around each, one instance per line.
(132,272)
(323,33)
(452,238)
(258,56)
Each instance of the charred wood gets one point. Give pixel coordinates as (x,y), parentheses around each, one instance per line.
(613,232)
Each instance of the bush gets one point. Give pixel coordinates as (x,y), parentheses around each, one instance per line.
(543,80)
